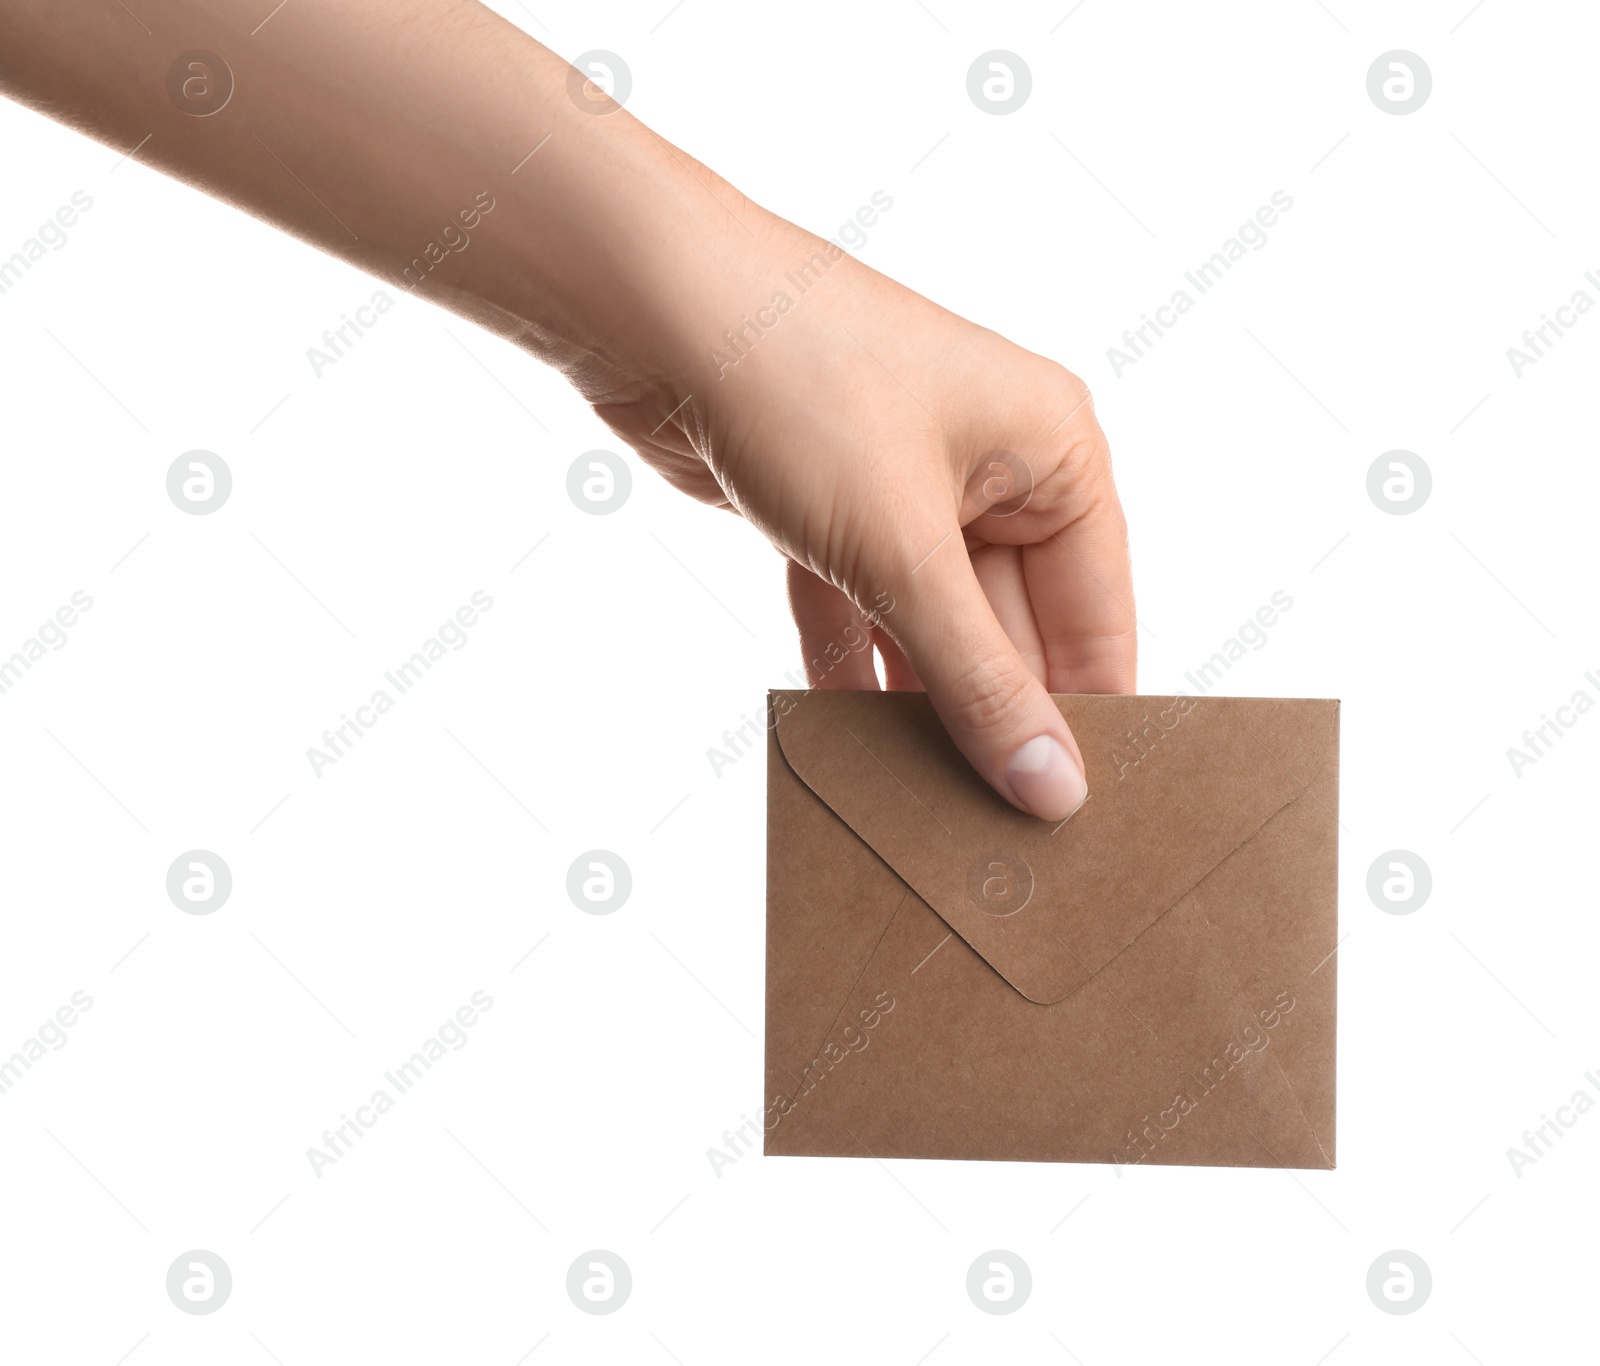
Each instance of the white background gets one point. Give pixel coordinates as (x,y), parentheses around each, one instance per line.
(369,503)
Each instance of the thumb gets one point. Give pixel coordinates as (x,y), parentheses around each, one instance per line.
(996,710)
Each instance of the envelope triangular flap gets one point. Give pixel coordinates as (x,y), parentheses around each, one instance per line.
(1176,785)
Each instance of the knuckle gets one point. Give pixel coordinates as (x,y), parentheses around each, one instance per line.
(1068,435)
(991,696)
(1085,452)
(1070,392)
(1076,387)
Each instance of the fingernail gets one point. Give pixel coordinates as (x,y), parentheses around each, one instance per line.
(1046,780)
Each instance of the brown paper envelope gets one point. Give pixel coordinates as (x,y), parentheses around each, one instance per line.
(1150,981)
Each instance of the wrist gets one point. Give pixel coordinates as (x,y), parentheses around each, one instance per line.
(615,257)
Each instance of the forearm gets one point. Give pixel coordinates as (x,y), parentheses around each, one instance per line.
(425,141)
(853,422)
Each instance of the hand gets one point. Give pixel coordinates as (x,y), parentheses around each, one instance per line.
(899,454)
(893,451)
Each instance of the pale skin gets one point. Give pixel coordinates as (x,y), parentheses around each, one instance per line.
(859,434)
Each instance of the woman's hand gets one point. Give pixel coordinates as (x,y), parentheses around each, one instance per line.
(930,483)
(896,453)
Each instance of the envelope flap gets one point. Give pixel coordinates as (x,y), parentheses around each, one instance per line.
(1176,785)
